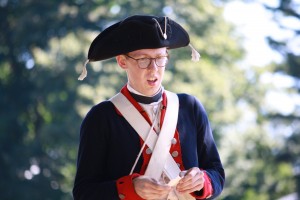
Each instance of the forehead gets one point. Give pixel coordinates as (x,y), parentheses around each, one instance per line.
(149,52)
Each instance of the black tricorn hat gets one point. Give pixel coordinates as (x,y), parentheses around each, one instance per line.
(137,32)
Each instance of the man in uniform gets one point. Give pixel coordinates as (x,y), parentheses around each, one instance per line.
(146,142)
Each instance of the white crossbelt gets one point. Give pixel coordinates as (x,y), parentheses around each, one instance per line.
(161,161)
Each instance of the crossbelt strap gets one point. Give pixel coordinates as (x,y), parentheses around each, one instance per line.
(163,143)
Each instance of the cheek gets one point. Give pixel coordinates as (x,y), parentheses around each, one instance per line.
(138,75)
(162,72)
(135,76)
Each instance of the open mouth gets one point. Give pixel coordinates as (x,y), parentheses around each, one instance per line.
(152,81)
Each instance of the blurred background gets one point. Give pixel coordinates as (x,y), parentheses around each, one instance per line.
(248,79)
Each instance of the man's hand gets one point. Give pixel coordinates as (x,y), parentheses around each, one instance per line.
(193,180)
(148,188)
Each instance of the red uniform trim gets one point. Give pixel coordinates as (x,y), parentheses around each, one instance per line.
(207,189)
(126,189)
(177,148)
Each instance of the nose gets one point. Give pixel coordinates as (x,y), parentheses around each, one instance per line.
(153,65)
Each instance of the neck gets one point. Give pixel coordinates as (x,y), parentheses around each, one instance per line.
(145,99)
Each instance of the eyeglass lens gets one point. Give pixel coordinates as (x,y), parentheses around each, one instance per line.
(145,62)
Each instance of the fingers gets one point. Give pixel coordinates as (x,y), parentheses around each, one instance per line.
(193,180)
(147,188)
(182,173)
(189,187)
(150,189)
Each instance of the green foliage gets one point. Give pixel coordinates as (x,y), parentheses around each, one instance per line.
(39,124)
(254,171)
(288,10)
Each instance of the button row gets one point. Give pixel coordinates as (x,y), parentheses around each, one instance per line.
(174,153)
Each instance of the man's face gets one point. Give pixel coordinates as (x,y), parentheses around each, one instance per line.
(146,81)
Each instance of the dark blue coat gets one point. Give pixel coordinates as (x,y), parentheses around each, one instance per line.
(109,146)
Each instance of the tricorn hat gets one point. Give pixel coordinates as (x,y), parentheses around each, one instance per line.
(134,33)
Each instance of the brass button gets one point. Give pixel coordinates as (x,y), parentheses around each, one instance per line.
(148,151)
(174,141)
(175,154)
(121,196)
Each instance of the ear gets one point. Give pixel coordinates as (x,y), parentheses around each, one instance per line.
(121,60)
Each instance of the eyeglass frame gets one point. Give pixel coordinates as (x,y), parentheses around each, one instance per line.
(137,60)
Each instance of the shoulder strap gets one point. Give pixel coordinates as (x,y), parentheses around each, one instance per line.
(141,126)
(163,144)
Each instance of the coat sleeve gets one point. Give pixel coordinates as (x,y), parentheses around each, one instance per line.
(91,181)
(208,156)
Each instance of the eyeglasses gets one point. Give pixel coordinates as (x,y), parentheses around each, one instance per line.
(144,63)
